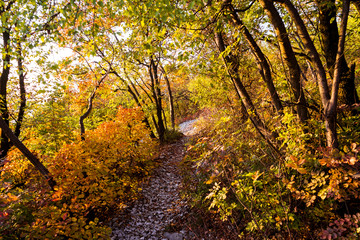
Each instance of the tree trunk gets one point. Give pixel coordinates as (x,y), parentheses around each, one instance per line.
(233,70)
(347,91)
(32,158)
(262,63)
(289,57)
(158,98)
(142,101)
(22,93)
(85,115)
(165,121)
(90,104)
(329,39)
(146,120)
(171,100)
(136,96)
(5,144)
(310,50)
(330,109)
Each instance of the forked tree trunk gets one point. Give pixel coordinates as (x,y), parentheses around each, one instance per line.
(310,50)
(156,91)
(330,39)
(330,109)
(329,101)
(90,105)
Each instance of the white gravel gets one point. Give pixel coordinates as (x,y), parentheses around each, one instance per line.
(188,128)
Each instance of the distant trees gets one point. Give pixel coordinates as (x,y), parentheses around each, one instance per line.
(22,24)
(135,62)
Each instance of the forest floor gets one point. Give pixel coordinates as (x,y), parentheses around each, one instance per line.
(160,209)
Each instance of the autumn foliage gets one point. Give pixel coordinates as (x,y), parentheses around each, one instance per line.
(310,191)
(94,177)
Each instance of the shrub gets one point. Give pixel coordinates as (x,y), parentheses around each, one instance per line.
(308,191)
(94,178)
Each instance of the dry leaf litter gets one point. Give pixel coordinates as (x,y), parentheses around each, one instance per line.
(160,206)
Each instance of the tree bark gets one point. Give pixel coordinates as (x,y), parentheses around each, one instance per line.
(329,100)
(330,39)
(171,99)
(310,50)
(330,109)
(155,85)
(329,31)
(233,70)
(136,96)
(32,158)
(289,57)
(4,78)
(22,93)
(262,63)
(143,103)
(165,121)
(90,104)
(146,120)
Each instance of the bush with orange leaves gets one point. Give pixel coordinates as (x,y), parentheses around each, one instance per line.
(94,177)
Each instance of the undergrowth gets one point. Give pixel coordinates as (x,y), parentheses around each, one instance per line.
(231,175)
(94,178)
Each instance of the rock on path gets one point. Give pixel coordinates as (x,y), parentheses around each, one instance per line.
(188,128)
(161,204)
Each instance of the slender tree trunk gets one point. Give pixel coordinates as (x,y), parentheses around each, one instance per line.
(233,70)
(146,120)
(143,103)
(262,63)
(171,100)
(289,57)
(330,109)
(329,102)
(5,144)
(32,158)
(136,96)
(158,98)
(22,93)
(165,121)
(85,115)
(329,31)
(155,124)
(90,104)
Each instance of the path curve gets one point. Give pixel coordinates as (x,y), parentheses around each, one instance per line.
(160,204)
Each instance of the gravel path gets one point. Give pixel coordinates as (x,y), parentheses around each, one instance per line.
(161,205)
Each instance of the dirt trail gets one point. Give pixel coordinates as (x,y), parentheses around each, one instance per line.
(161,205)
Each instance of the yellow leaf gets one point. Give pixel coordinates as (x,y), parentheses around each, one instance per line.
(302,170)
